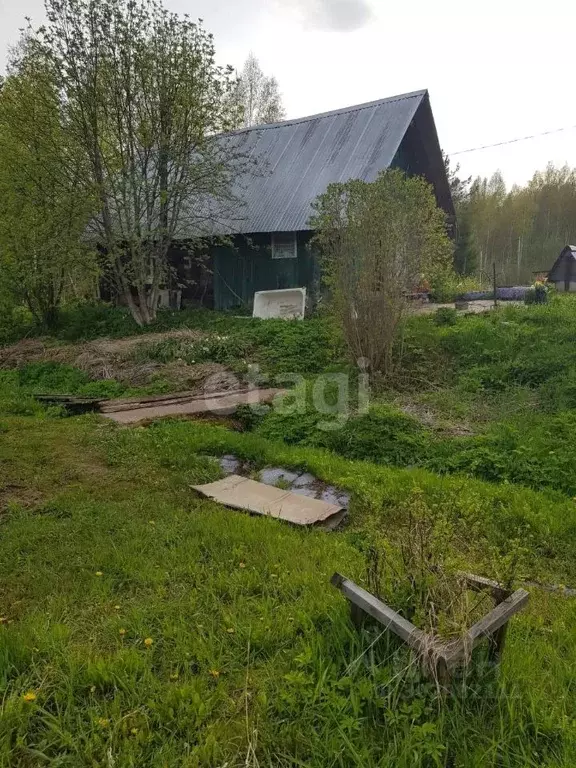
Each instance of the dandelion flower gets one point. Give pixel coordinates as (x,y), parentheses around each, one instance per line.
(30,696)
(99,573)
(148,642)
(230,630)
(174,676)
(215,673)
(134,731)
(103,722)
(122,632)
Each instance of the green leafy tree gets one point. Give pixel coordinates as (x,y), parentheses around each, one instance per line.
(378,241)
(46,203)
(466,252)
(459,188)
(142,96)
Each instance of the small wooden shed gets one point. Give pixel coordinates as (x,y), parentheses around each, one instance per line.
(563,273)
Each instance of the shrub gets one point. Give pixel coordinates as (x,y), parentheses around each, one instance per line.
(277,346)
(361,228)
(447,286)
(446,316)
(51,377)
(218,349)
(382,435)
(538,454)
(55,378)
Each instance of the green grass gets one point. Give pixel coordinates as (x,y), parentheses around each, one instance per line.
(82,497)
(254,661)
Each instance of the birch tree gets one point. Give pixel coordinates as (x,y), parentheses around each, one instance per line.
(257,97)
(143,97)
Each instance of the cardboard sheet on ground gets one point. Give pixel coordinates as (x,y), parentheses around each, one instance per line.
(241,493)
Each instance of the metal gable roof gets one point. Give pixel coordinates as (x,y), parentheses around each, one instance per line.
(568,251)
(296,160)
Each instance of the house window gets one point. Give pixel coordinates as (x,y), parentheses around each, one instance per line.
(284,245)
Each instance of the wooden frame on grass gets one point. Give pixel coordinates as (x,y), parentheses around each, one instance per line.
(437,656)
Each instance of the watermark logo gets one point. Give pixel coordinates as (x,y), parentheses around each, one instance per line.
(335,396)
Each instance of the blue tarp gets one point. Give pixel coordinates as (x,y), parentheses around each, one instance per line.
(515,293)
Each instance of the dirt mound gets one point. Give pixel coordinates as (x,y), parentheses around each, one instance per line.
(119,359)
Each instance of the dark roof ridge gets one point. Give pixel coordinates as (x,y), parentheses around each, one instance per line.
(340,111)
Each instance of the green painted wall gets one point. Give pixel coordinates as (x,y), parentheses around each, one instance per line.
(248,266)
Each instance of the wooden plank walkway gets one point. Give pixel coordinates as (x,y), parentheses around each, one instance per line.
(143,410)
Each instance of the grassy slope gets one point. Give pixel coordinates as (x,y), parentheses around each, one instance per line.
(281,689)
(80,497)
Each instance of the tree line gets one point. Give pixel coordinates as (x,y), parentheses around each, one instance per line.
(522,230)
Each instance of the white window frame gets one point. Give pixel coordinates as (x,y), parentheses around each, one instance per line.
(282,254)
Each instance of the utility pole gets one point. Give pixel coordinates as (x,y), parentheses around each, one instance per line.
(494,282)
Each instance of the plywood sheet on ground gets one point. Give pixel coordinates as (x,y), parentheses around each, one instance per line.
(217,403)
(241,493)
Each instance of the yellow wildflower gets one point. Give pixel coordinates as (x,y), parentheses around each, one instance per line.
(134,731)
(242,565)
(30,696)
(116,607)
(103,722)
(215,673)
(230,630)
(122,632)
(148,642)
(174,676)
(99,573)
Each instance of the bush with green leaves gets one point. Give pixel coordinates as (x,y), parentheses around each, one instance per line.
(446,286)
(377,241)
(538,453)
(382,435)
(275,346)
(446,316)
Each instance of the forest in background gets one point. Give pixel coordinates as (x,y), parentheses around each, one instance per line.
(521,230)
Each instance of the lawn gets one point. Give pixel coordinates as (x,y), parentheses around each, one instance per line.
(144,626)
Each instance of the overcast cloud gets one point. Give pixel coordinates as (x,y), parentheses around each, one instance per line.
(495,69)
(335,14)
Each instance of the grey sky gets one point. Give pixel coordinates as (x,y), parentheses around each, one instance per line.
(496,69)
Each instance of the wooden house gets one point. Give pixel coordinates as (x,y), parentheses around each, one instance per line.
(296,160)
(563,273)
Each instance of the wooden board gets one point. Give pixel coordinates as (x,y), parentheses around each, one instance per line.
(241,493)
(217,403)
(380,611)
(446,653)
(126,403)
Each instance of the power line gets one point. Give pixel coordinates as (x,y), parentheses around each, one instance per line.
(513,141)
